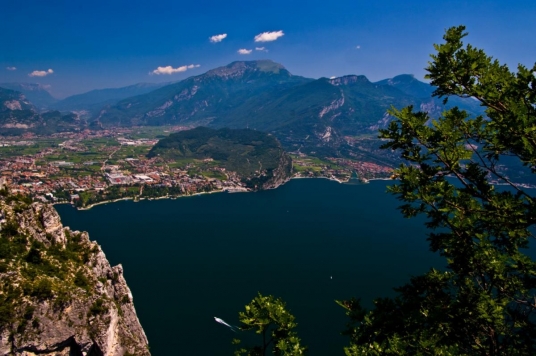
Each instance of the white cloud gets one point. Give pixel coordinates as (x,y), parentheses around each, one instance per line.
(40,73)
(170,70)
(244,51)
(217,38)
(269,36)
(11,68)
(358,47)
(261,49)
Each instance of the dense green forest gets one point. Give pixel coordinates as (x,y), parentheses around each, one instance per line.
(246,152)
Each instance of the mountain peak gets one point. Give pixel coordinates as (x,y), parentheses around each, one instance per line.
(239,68)
(408,84)
(402,78)
(348,79)
(37,94)
(13,100)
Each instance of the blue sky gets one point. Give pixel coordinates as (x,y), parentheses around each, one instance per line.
(102,44)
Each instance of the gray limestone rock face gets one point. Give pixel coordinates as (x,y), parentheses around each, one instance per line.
(281,174)
(87,309)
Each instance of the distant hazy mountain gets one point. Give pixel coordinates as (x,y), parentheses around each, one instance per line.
(94,100)
(16,112)
(18,115)
(37,94)
(11,100)
(411,86)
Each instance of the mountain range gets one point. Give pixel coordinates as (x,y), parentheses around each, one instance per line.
(37,94)
(92,101)
(310,115)
(313,116)
(18,115)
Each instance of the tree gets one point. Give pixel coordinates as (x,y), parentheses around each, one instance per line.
(269,317)
(484,302)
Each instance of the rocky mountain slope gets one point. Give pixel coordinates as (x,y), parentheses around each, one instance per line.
(16,112)
(306,114)
(315,116)
(58,293)
(19,115)
(12,100)
(217,93)
(37,94)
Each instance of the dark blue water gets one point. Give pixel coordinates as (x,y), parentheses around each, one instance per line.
(190,259)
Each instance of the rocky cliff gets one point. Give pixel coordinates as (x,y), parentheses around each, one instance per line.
(280,174)
(58,293)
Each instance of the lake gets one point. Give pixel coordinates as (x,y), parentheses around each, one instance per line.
(310,242)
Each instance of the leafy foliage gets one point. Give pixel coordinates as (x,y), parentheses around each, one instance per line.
(35,269)
(269,317)
(485,302)
(98,307)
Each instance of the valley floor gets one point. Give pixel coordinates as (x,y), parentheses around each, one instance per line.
(97,167)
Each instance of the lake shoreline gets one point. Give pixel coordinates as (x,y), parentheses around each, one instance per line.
(135,199)
(140,199)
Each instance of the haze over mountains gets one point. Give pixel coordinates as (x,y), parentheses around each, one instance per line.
(37,94)
(18,115)
(94,100)
(311,115)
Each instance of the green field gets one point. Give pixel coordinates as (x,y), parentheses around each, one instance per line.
(150,132)
(311,164)
(36,147)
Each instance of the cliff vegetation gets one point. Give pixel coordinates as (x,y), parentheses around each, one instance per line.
(58,293)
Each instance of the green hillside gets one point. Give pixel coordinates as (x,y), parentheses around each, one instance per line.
(255,156)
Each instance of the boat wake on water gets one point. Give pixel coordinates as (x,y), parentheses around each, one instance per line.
(221,321)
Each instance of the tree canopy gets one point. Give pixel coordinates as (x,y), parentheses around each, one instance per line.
(481,221)
(269,317)
(484,302)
